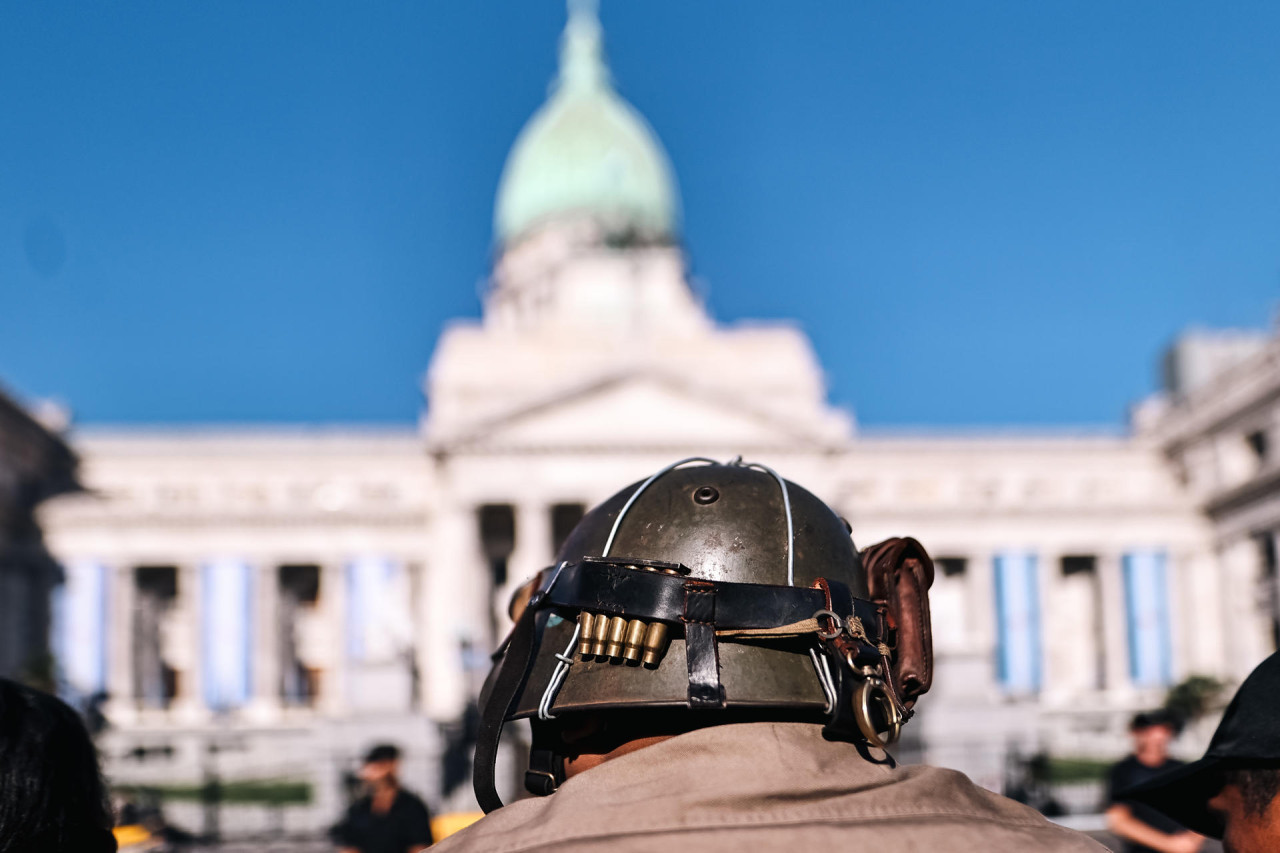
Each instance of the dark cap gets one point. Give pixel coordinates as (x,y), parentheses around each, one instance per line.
(1248,735)
(382,752)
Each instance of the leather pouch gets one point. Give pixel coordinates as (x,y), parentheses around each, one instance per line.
(899,574)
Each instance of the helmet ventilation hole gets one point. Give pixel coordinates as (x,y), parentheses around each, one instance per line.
(706,495)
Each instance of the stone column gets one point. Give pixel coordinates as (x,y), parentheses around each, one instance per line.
(1058,628)
(333,602)
(1200,627)
(534,549)
(1115,629)
(265,702)
(184,638)
(122,705)
(456,607)
(1247,606)
(981,598)
(187,643)
(533,552)
(1273,586)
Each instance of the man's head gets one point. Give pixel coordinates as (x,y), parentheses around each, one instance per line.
(381,765)
(1246,804)
(1152,732)
(1230,793)
(52,797)
(708,594)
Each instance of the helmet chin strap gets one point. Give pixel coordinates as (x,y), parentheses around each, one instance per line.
(546,761)
(510,674)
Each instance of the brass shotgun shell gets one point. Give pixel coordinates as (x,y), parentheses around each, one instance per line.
(600,634)
(634,644)
(655,643)
(617,634)
(585,637)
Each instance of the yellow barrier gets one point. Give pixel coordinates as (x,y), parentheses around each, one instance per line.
(130,834)
(447,824)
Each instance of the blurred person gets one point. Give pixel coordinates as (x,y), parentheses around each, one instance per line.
(1141,828)
(388,819)
(52,798)
(712,665)
(1231,792)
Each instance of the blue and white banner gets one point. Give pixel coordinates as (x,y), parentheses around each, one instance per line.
(1018,649)
(1146,596)
(226,637)
(378,596)
(79,631)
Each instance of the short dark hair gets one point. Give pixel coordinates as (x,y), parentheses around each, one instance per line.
(52,798)
(1158,717)
(1258,785)
(382,752)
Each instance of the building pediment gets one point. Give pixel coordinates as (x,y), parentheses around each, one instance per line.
(641,411)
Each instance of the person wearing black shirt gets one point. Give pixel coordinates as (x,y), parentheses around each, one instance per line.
(1142,828)
(1233,791)
(388,819)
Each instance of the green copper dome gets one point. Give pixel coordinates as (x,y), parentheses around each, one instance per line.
(586,151)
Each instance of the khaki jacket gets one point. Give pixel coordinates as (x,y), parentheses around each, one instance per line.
(764,787)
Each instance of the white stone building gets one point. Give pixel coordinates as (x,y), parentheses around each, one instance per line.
(293,594)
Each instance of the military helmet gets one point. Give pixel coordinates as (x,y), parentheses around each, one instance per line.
(718,588)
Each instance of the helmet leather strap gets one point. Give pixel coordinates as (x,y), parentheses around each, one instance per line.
(701,650)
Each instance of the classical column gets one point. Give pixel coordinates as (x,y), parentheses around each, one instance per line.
(1200,629)
(1059,627)
(456,607)
(333,602)
(981,599)
(1247,606)
(533,552)
(1115,628)
(1271,568)
(265,703)
(122,704)
(182,645)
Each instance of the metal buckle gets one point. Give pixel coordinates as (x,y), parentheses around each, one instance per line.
(872,689)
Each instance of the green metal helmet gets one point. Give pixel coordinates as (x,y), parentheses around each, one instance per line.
(717,588)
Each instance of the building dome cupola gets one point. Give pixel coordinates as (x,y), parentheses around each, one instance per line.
(587,153)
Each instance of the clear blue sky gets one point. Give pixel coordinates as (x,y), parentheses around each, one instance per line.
(983,213)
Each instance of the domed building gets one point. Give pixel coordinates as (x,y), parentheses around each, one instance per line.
(587,153)
(283,597)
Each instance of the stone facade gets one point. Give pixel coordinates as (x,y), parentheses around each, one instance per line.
(276,599)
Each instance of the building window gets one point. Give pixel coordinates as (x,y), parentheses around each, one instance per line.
(564,517)
(1079,565)
(952,567)
(497,538)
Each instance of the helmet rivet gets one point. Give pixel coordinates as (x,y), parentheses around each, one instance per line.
(706,495)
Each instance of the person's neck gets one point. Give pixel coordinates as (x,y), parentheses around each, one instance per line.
(587,760)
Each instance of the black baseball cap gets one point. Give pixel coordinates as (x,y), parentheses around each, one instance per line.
(1248,736)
